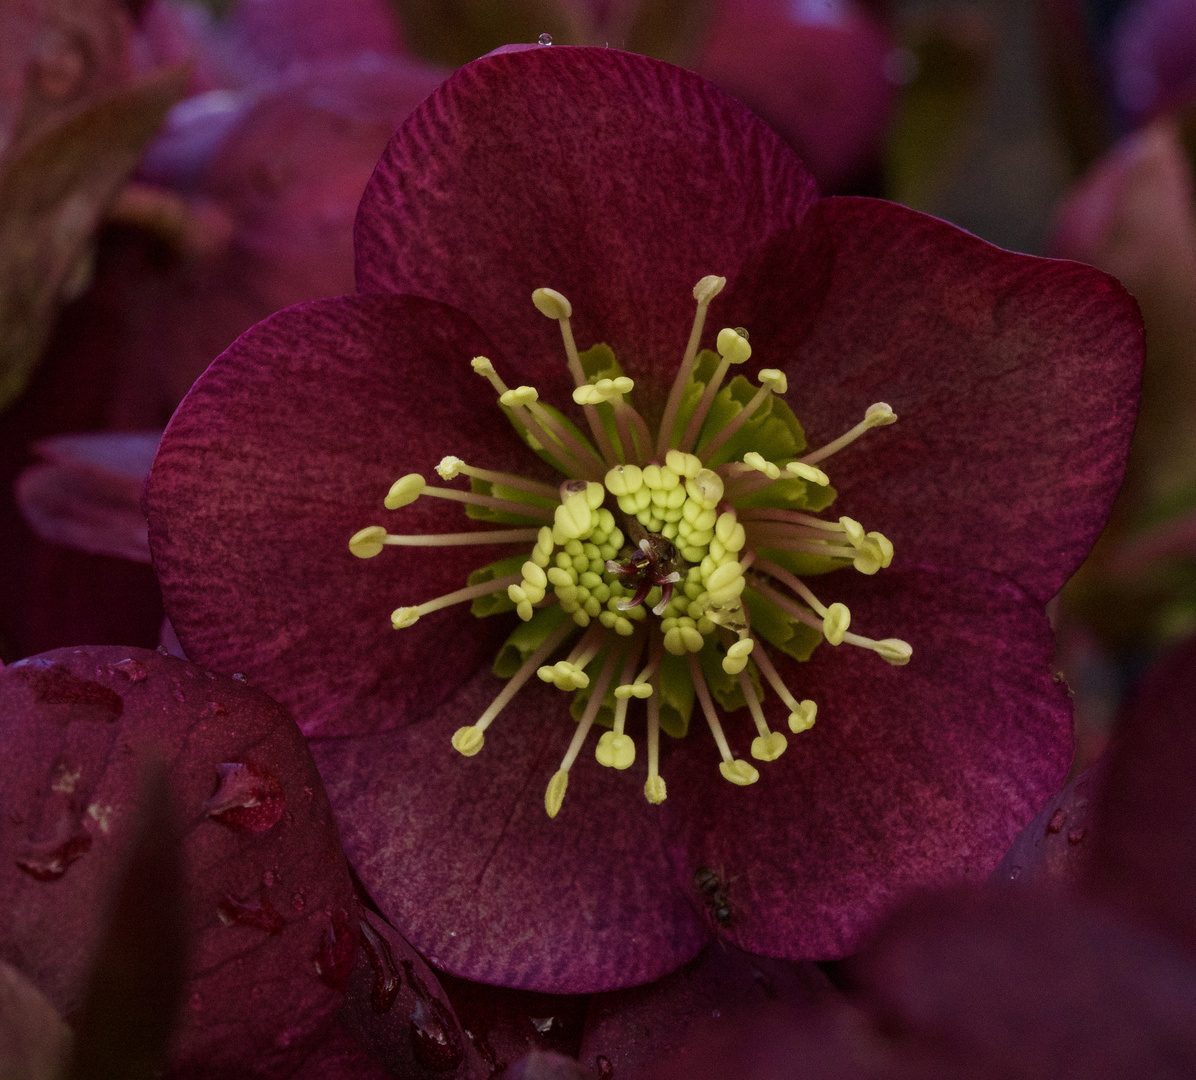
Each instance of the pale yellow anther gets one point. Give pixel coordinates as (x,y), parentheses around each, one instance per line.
(738,772)
(552,304)
(769,747)
(449,467)
(706,488)
(737,655)
(595,494)
(624,480)
(573,517)
(894,651)
(468,740)
(705,291)
(802,718)
(867,559)
(853,530)
(404,490)
(835,623)
(634,690)
(655,790)
(808,472)
(482,365)
(534,574)
(733,346)
(723,576)
(555,795)
(521,395)
(761,464)
(564,675)
(615,751)
(879,414)
(367,542)
(403,617)
(775,380)
(884,546)
(687,465)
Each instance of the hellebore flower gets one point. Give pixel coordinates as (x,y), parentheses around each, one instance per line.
(620,182)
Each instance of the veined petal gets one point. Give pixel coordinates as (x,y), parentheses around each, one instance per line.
(255,494)
(910,785)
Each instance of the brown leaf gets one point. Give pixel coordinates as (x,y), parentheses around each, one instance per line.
(54,190)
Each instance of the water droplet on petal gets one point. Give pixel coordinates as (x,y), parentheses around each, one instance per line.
(133,670)
(50,863)
(1015,873)
(248,797)
(434,1037)
(333,960)
(1057,820)
(261,915)
(240,676)
(605,1069)
(53,684)
(545,39)
(386,975)
(543,1024)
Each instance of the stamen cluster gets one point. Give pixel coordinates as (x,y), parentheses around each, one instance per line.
(670,560)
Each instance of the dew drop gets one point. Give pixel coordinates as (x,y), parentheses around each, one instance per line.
(386,975)
(1057,820)
(53,684)
(543,1024)
(162,650)
(1015,873)
(50,863)
(240,676)
(434,1038)
(247,797)
(545,39)
(333,960)
(261,915)
(605,1069)
(133,670)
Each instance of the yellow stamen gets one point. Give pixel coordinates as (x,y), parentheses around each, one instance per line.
(555,794)
(734,769)
(801,713)
(734,349)
(772,381)
(767,745)
(704,291)
(877,415)
(403,617)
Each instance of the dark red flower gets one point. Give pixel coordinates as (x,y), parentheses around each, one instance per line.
(621,182)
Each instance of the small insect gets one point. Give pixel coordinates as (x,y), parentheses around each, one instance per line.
(711,886)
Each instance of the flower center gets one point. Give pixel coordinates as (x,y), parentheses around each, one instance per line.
(663,568)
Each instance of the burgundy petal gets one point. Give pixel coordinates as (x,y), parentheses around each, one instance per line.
(460,855)
(990,984)
(253,1004)
(88,495)
(1015,381)
(911,777)
(477,202)
(255,494)
(340,1056)
(1057,845)
(395,1006)
(815,73)
(629,1030)
(1143,832)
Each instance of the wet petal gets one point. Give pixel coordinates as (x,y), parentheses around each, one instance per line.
(253,1002)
